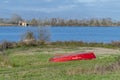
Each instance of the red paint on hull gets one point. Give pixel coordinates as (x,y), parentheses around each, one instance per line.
(74,56)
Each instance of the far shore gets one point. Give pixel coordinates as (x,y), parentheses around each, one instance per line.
(8,24)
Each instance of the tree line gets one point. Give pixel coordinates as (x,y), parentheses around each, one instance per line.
(61,22)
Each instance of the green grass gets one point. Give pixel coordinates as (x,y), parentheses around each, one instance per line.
(33,64)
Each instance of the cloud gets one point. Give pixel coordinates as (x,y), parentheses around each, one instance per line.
(5,1)
(54,9)
(49,0)
(85,1)
(59,8)
(89,1)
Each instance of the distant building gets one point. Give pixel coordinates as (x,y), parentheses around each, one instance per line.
(22,23)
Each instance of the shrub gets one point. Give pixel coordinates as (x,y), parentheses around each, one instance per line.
(116,43)
(28,39)
(4,61)
(43,35)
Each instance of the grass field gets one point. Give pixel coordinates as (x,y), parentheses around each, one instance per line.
(33,64)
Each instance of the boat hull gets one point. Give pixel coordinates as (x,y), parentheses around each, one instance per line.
(73,56)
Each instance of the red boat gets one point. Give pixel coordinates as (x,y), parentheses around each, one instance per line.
(73,56)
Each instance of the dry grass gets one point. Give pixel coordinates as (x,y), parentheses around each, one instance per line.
(97,69)
(33,64)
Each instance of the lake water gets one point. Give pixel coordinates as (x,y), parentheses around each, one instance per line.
(86,34)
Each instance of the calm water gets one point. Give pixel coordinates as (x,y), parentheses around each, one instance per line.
(87,34)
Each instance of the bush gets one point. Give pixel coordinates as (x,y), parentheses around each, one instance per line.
(28,39)
(6,45)
(116,43)
(28,36)
(4,61)
(43,34)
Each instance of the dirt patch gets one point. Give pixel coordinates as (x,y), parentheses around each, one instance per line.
(97,51)
(102,51)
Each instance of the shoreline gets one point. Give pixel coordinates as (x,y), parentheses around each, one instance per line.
(8,25)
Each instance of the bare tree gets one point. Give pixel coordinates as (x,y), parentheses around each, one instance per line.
(28,36)
(44,34)
(34,22)
(15,19)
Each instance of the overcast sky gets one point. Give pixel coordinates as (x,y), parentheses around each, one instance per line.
(61,8)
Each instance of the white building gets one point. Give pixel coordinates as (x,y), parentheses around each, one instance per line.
(22,23)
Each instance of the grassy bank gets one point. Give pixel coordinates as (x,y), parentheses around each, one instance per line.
(58,44)
(32,63)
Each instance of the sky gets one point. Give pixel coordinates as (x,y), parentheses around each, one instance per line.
(61,8)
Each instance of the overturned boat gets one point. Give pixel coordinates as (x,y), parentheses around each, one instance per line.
(73,56)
